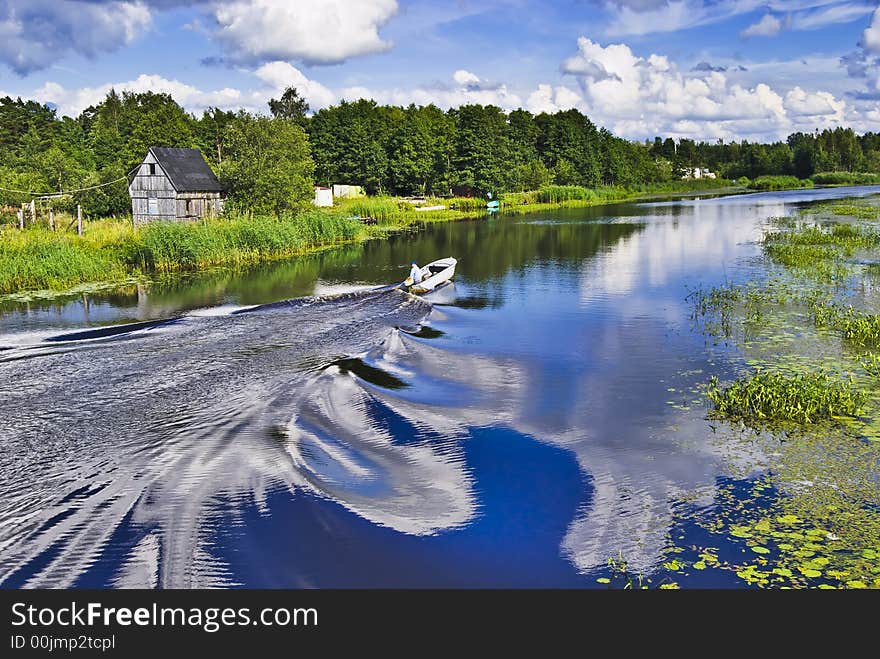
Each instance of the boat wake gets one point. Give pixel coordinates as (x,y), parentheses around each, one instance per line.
(128,451)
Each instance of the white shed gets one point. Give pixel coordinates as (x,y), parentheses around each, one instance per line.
(323,196)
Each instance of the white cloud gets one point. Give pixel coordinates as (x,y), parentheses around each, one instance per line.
(274,77)
(37,33)
(468,88)
(648,17)
(843,13)
(73,101)
(871,35)
(465,78)
(280,75)
(311,31)
(547,98)
(814,104)
(768,26)
(645,96)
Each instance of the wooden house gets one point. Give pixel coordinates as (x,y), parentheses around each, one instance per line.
(174,185)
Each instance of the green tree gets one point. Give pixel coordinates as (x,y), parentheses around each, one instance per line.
(349,143)
(290,106)
(565,173)
(532,175)
(420,151)
(571,136)
(482,158)
(151,119)
(268,168)
(211,133)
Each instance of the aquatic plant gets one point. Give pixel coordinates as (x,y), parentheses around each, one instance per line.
(817,252)
(858,209)
(854,325)
(847,236)
(870,363)
(767,397)
(817,534)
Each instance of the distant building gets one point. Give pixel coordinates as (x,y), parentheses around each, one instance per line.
(323,196)
(698,173)
(348,191)
(174,185)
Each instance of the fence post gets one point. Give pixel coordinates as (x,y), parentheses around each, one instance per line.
(21,217)
(51,219)
(79,220)
(33,211)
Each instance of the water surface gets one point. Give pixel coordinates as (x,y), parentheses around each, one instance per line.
(288,426)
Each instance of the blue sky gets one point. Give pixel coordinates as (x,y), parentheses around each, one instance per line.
(695,68)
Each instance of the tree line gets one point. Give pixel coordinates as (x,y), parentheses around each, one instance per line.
(270,163)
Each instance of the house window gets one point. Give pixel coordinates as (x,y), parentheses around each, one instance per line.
(151,169)
(152,206)
(188,207)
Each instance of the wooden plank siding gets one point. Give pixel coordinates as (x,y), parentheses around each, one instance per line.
(167,203)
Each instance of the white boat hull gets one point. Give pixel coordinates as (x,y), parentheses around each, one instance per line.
(433,275)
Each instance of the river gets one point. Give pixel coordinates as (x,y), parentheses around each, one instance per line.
(287,426)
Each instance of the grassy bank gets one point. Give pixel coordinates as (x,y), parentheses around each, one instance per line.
(846,178)
(396,213)
(774,183)
(37,259)
(112,250)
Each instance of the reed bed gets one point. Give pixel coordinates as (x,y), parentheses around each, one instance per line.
(846,178)
(112,250)
(769,183)
(767,397)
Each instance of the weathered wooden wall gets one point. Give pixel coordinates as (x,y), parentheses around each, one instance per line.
(144,187)
(169,204)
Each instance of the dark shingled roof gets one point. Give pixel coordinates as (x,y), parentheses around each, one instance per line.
(187,169)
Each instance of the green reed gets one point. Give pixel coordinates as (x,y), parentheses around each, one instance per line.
(856,326)
(767,397)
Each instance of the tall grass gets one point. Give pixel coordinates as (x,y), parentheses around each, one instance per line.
(382,209)
(767,183)
(846,178)
(166,246)
(109,250)
(554,194)
(36,259)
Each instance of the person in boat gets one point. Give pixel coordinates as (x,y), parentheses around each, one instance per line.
(415,273)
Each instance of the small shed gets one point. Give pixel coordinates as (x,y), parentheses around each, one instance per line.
(344,191)
(323,196)
(174,185)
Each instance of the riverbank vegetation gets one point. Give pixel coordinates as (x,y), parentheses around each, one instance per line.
(803,384)
(779,182)
(112,250)
(269,164)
